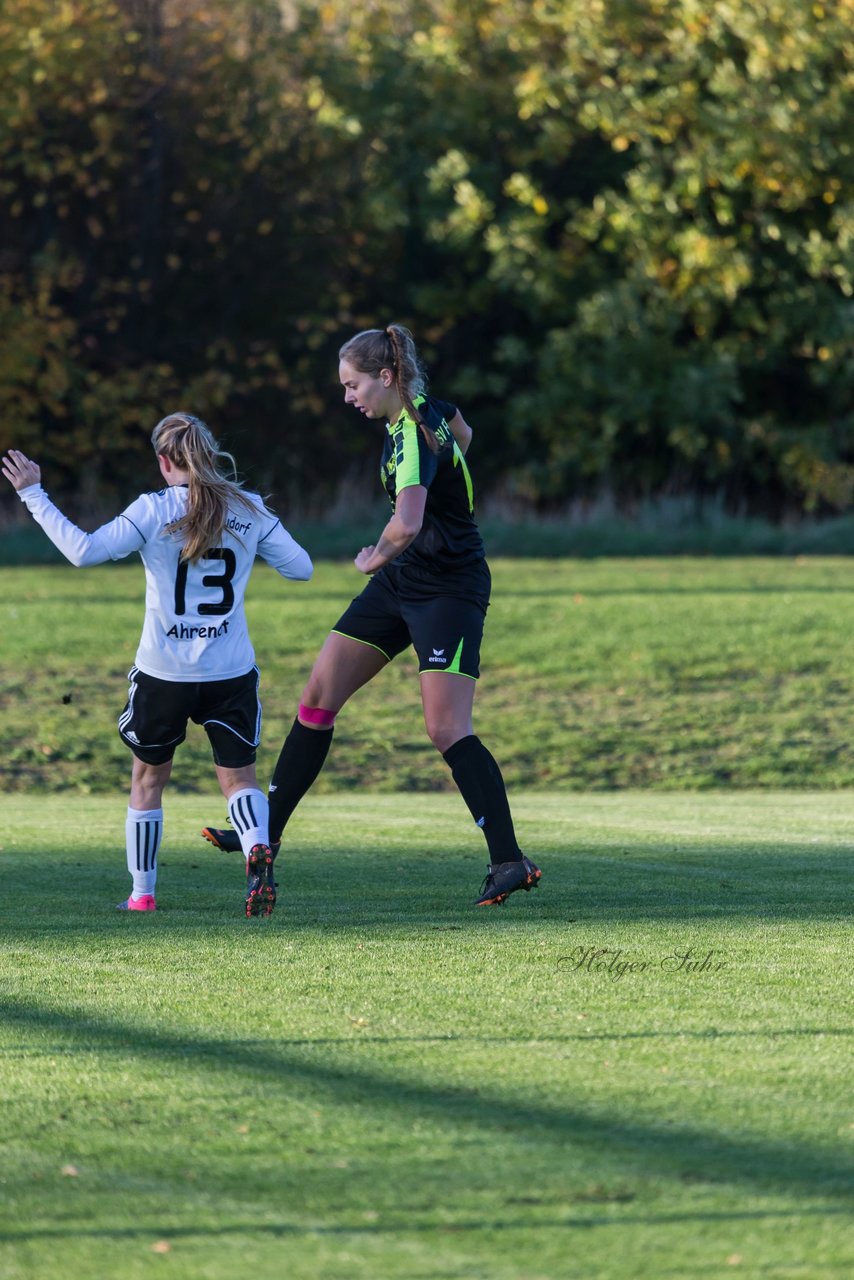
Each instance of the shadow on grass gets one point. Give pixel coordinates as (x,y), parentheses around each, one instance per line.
(628,883)
(710,1033)
(524,1222)
(794,1167)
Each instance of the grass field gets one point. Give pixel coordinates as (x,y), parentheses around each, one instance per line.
(641,1071)
(667,674)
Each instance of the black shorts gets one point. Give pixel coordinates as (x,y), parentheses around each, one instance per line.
(154,720)
(446,628)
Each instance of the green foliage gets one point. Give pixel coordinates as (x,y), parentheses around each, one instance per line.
(622,231)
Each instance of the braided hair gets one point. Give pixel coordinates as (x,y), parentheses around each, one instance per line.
(392,348)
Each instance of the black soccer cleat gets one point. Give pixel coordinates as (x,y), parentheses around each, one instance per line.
(504,878)
(229,841)
(260,881)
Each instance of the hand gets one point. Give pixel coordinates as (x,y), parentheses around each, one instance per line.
(362,560)
(19,470)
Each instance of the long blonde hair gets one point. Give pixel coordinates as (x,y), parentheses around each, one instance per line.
(392,348)
(190,446)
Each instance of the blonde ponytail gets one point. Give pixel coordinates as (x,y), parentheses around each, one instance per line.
(190,446)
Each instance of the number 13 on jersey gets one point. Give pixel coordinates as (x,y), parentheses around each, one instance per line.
(219,582)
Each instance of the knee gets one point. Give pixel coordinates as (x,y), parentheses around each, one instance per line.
(317,706)
(314,692)
(442,734)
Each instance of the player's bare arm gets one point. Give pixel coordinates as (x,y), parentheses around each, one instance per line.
(403,528)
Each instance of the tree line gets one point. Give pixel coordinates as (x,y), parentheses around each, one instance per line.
(622,231)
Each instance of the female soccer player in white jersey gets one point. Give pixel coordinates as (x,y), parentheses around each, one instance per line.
(198,539)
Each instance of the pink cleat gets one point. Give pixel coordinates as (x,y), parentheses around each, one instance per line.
(145,903)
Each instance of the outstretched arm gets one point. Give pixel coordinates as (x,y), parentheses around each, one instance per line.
(111,542)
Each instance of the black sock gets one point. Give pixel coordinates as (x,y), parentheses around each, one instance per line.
(482,787)
(300,761)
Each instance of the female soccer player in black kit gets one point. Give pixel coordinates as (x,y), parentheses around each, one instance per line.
(429,588)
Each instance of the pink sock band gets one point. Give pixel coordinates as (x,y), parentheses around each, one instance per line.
(316,715)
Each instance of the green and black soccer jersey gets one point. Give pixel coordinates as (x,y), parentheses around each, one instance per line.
(435,594)
(449,538)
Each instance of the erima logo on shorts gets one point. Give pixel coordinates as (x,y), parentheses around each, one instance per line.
(438,656)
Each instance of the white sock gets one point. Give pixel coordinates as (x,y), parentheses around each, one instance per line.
(143,832)
(250,817)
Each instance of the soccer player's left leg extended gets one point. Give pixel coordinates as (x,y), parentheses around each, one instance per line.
(342,667)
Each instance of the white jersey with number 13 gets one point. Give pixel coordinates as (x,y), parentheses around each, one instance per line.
(195,625)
